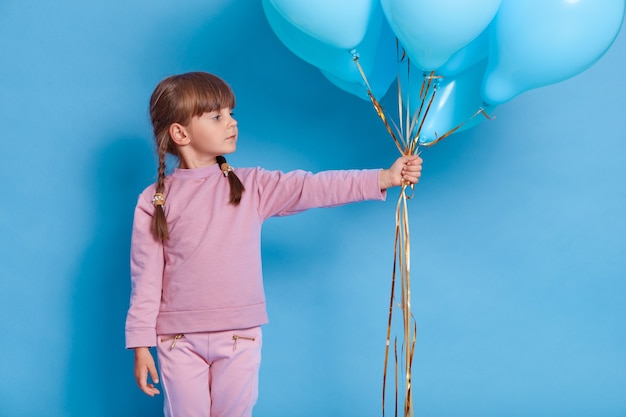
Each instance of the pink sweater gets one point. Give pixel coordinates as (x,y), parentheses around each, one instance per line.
(207,276)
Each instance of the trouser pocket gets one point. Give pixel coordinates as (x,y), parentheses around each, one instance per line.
(237,337)
(174,339)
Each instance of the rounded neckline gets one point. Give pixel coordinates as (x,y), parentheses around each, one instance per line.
(196,172)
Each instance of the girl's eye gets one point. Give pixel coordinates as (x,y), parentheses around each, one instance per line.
(232,114)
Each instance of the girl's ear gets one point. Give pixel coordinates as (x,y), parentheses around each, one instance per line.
(178,133)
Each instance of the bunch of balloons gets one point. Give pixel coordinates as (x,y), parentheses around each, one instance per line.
(468,55)
(483,52)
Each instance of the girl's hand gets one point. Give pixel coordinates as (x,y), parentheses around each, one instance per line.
(405,170)
(144,365)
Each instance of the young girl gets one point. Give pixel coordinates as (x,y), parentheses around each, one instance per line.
(197,291)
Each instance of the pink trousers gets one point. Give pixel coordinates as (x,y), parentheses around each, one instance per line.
(212,374)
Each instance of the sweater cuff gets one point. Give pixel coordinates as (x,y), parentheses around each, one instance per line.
(142,337)
(373,191)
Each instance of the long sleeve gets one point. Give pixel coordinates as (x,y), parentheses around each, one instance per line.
(147,263)
(288,193)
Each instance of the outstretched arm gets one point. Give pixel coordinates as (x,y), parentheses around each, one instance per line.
(406,169)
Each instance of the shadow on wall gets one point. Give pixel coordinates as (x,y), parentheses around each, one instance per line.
(100,379)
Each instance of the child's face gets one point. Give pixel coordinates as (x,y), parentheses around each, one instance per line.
(211,134)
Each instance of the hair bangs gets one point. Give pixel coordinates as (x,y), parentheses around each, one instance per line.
(214,97)
(208,93)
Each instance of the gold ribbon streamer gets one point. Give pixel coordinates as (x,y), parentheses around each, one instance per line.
(405,135)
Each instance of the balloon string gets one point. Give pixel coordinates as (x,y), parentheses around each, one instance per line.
(451,131)
(401,259)
(406,137)
(402,221)
(401,57)
(377,106)
(430,102)
(395,355)
(389,323)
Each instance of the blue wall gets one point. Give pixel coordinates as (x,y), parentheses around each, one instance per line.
(518,226)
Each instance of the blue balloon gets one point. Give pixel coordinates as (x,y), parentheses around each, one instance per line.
(340,23)
(355,88)
(377,55)
(317,53)
(432,31)
(539,42)
(470,55)
(456,101)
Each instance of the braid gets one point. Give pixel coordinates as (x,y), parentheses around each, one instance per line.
(159,222)
(236,187)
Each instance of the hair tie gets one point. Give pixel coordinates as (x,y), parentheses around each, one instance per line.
(158,200)
(226,169)
(224,165)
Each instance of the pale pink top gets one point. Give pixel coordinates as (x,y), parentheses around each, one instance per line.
(207,276)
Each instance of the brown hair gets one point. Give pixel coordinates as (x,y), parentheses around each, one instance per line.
(177,99)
